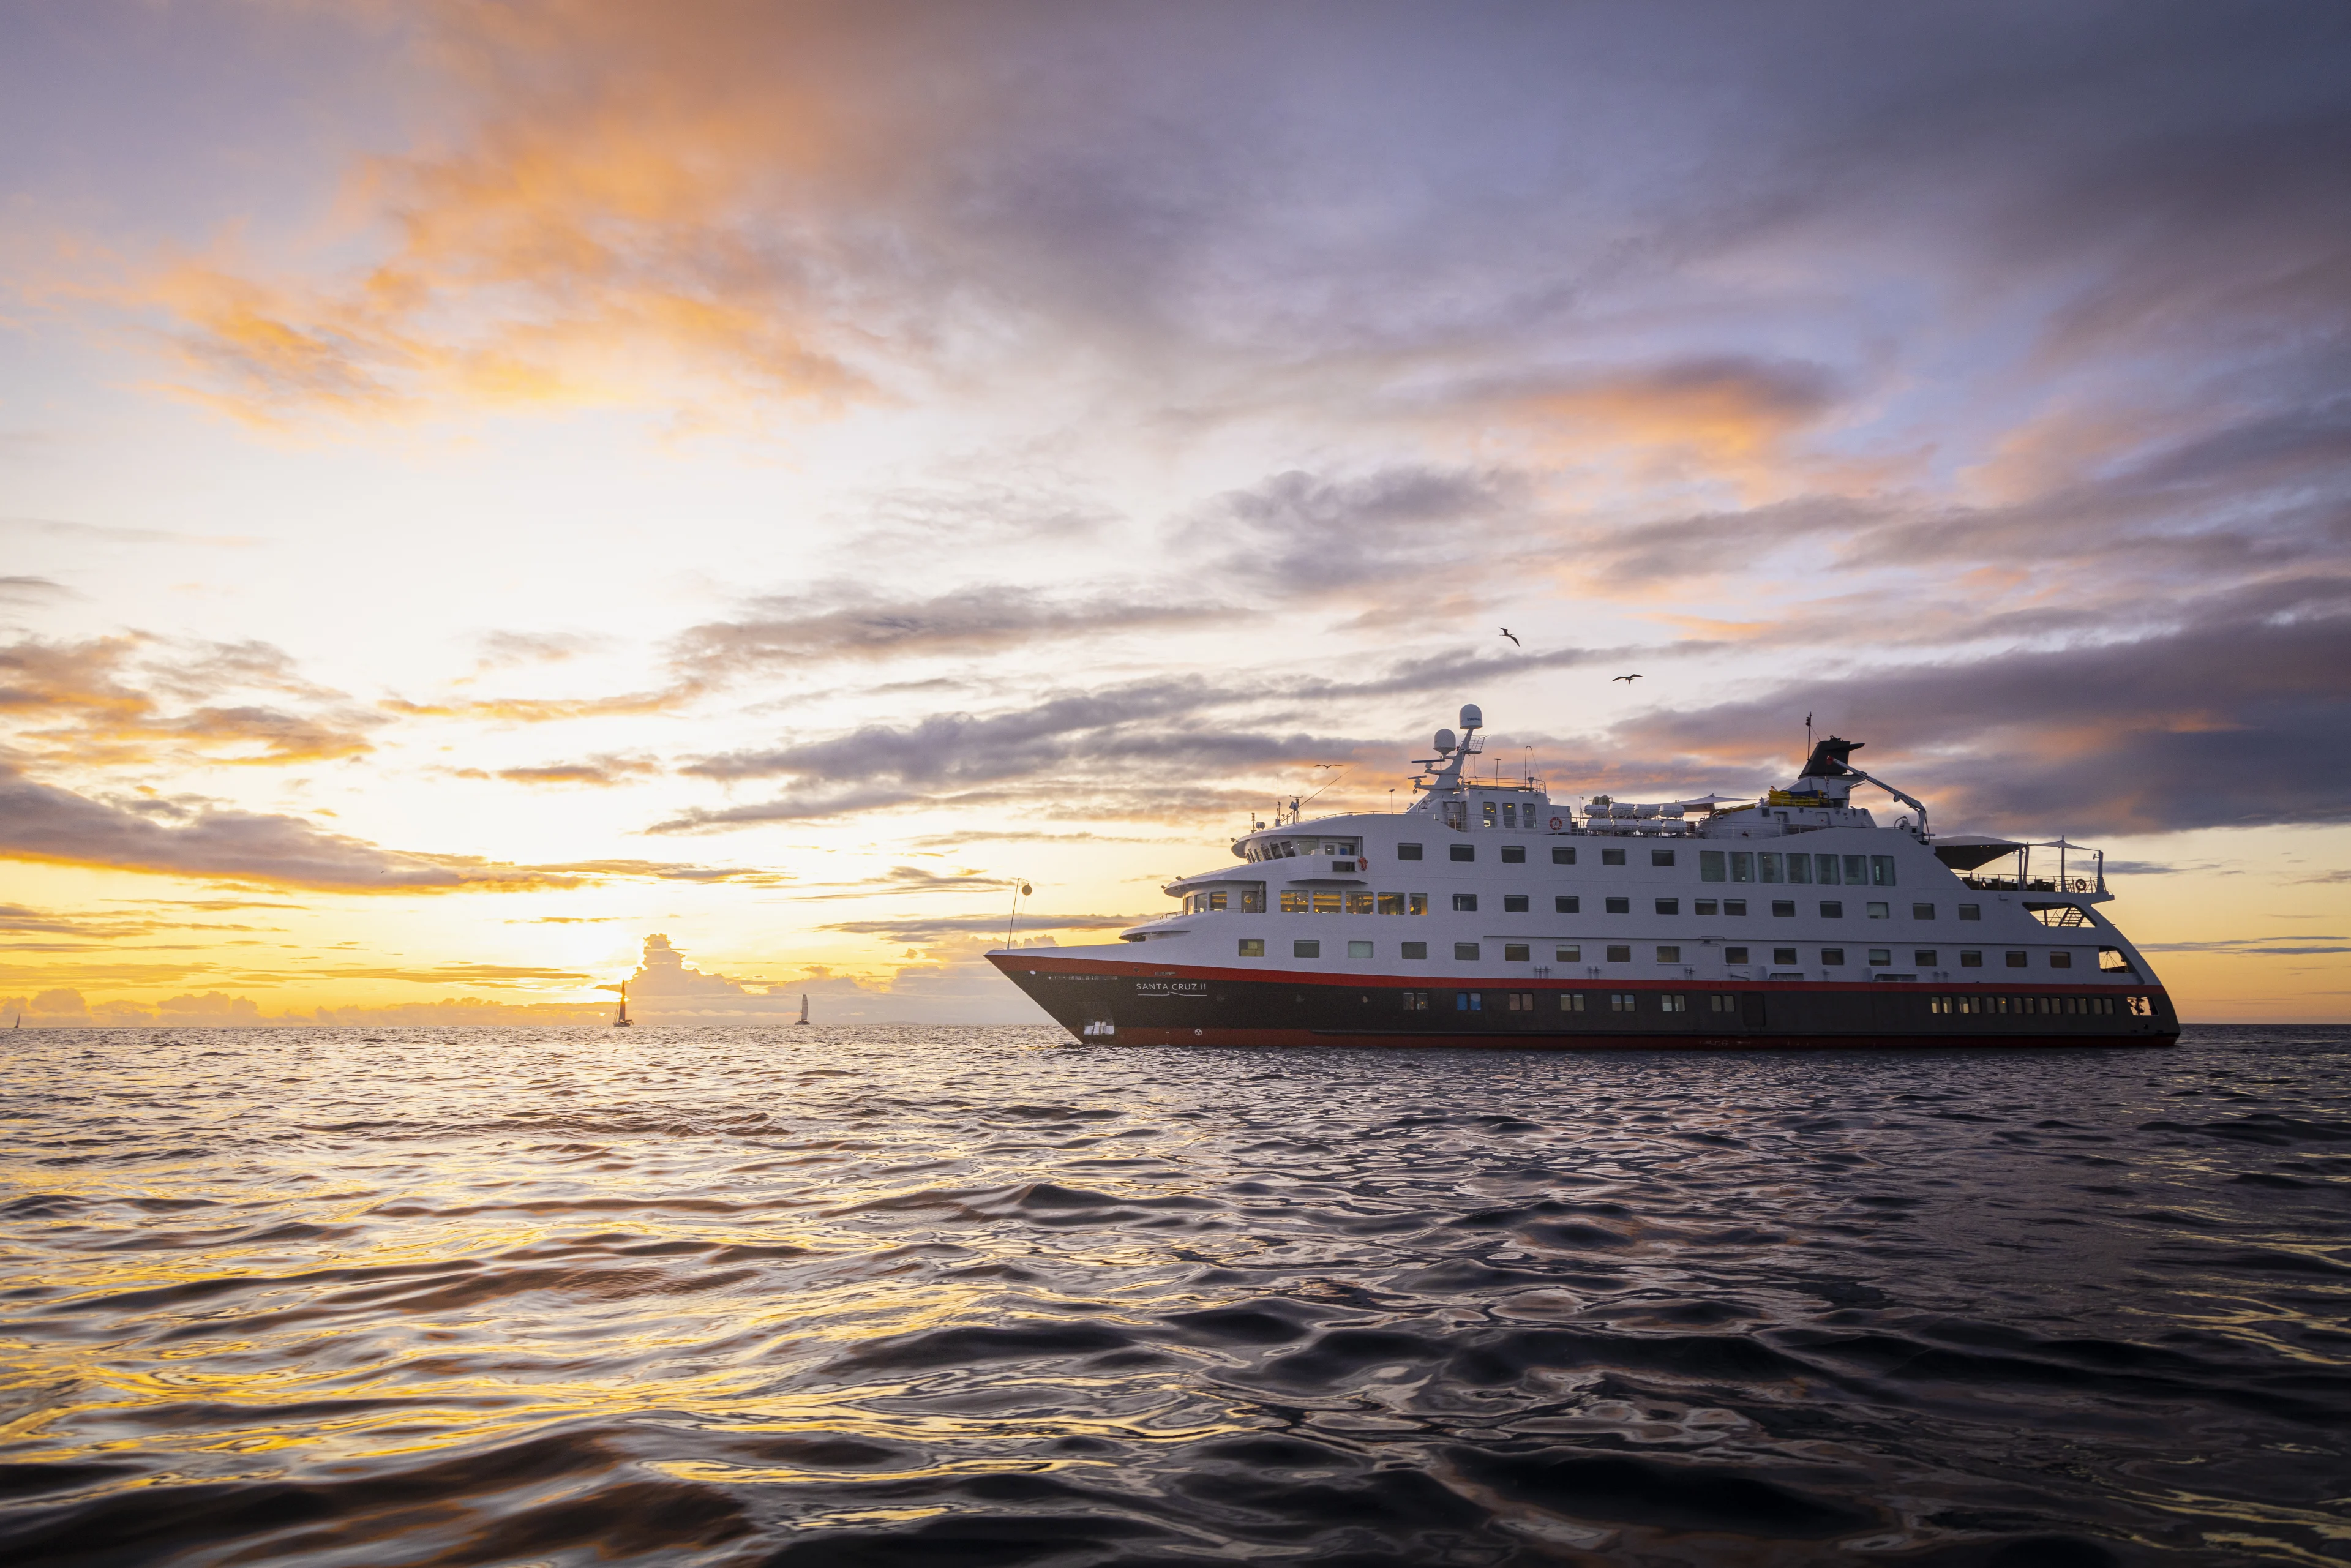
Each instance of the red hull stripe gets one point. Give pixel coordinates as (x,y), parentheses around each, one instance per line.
(1025,963)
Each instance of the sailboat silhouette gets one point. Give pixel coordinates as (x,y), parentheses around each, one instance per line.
(621,1020)
(803,1018)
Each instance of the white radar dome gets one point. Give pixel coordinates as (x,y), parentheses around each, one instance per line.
(1445,742)
(1471,717)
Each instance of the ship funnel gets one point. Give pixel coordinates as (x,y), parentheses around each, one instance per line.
(1472,716)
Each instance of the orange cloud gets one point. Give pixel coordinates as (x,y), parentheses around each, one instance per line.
(104,702)
(637,214)
(1732,414)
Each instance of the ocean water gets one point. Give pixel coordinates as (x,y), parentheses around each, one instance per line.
(935,1296)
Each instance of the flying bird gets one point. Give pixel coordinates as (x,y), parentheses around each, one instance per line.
(1514,642)
(1625,678)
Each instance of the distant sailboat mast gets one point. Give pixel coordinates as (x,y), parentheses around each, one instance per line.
(803,1018)
(621,1019)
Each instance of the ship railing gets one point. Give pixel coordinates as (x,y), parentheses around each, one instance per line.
(2033,884)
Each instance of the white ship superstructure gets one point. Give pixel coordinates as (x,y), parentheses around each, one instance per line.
(1488,914)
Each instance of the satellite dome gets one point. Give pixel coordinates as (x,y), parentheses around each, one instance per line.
(1445,742)
(1471,717)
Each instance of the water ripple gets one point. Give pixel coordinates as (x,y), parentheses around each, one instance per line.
(927,1296)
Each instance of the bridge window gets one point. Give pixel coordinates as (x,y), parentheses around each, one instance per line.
(1710,865)
(1253,946)
(1465,903)
(1253,899)
(1463,852)
(1567,904)
(1767,868)
(1881,871)
(1306,947)
(1514,854)
(1407,852)
(1567,952)
(1293,901)
(1620,907)
(1734,955)
(1800,868)
(1669,906)
(1669,955)
(1621,955)
(1562,857)
(1514,903)
(1511,815)
(1328,901)
(1416,950)
(1466,952)
(1856,871)
(1743,866)
(1516,953)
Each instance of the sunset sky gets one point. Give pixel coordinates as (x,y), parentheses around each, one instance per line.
(484,485)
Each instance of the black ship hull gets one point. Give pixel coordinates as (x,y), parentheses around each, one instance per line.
(1114,1002)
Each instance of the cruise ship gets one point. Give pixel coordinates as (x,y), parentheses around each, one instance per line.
(1490,914)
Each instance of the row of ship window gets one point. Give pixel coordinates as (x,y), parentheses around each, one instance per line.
(1720,1002)
(1713,865)
(1667,953)
(1332,901)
